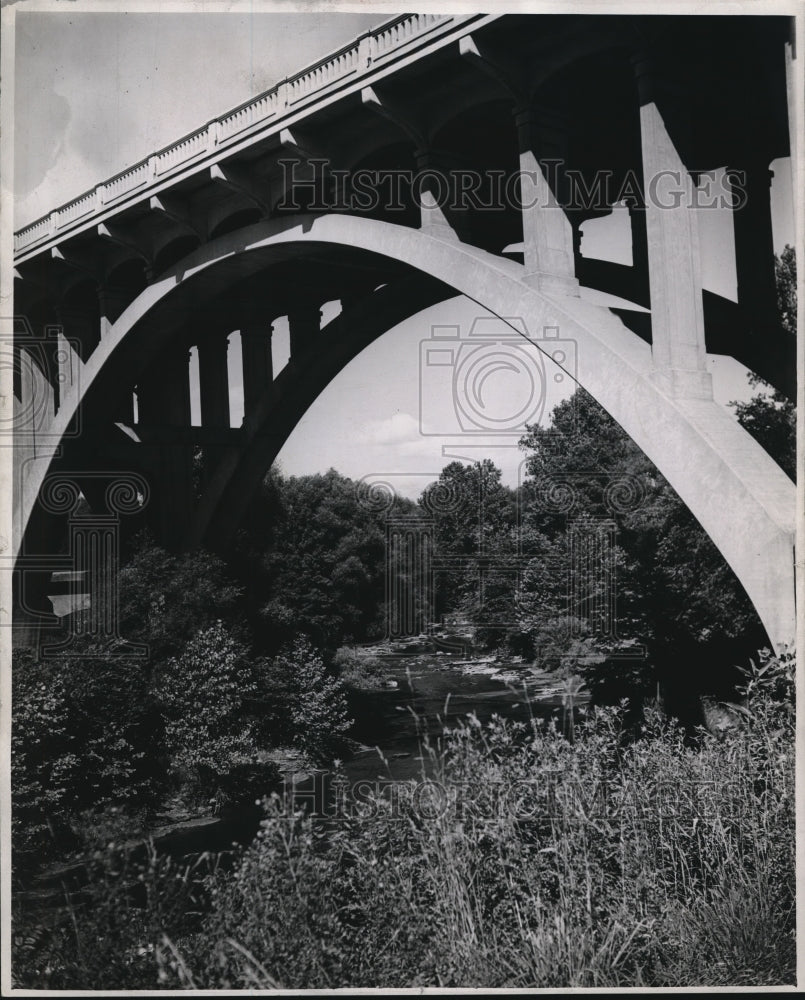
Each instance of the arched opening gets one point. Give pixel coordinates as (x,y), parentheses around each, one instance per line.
(613,365)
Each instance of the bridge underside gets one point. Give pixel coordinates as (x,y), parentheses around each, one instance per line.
(260,232)
(682,437)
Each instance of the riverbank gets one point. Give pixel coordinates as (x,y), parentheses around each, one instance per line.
(519,860)
(416,695)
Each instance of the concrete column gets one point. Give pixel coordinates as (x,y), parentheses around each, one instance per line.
(754,246)
(112,301)
(80,325)
(304,325)
(164,402)
(547,231)
(255,339)
(433,196)
(640,264)
(213,377)
(672,234)
(163,395)
(791,95)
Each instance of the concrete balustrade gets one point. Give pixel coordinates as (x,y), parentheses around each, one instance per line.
(353,60)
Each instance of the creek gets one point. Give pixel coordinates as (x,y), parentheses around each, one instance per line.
(423,695)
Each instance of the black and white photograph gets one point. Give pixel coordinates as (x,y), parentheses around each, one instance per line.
(401,496)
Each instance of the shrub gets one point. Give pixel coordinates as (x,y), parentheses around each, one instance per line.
(315,702)
(202,695)
(44,763)
(359,668)
(84,736)
(770,684)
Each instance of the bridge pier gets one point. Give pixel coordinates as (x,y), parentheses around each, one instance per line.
(213,374)
(754,245)
(672,234)
(438,217)
(304,324)
(164,404)
(547,231)
(213,377)
(255,338)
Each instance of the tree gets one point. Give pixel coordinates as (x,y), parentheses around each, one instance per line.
(202,695)
(213,736)
(769,416)
(673,593)
(311,700)
(314,558)
(85,736)
(165,599)
(473,517)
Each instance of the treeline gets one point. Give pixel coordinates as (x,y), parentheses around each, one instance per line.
(593,567)
(594,564)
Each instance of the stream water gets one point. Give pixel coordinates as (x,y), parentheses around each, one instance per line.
(433,692)
(426,692)
(429,692)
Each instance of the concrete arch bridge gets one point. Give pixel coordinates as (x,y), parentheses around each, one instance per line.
(436,155)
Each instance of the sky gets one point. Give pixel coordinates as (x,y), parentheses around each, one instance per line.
(95,92)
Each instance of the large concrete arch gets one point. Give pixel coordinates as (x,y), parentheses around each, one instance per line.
(739,495)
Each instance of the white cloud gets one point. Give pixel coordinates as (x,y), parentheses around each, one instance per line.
(398,429)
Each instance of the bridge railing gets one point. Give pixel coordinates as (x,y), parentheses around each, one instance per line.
(378,46)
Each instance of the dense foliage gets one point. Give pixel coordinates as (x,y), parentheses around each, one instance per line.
(84,733)
(187,715)
(305,703)
(523,861)
(203,697)
(313,553)
(649,591)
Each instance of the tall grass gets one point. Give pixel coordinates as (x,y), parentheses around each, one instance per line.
(524,860)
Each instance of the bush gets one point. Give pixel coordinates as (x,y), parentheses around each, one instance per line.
(316,703)
(203,695)
(359,668)
(84,736)
(45,766)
